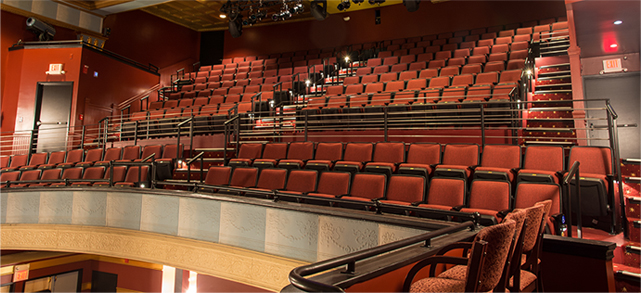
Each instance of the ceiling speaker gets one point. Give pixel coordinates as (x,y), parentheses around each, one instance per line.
(411,5)
(236,26)
(319,11)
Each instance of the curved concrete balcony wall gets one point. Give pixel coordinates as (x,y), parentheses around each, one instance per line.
(237,238)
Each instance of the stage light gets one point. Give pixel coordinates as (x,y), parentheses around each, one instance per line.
(379,2)
(344,5)
(346,59)
(614,46)
(618,22)
(44,31)
(223,16)
(358,1)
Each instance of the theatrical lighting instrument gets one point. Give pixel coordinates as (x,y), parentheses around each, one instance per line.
(373,2)
(344,5)
(44,31)
(358,1)
(319,9)
(249,12)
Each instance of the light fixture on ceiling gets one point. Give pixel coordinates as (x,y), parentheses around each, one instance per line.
(344,5)
(358,1)
(618,22)
(223,16)
(614,46)
(373,2)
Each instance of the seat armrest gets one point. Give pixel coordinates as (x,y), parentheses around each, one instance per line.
(379,198)
(501,214)
(458,208)
(416,203)
(341,196)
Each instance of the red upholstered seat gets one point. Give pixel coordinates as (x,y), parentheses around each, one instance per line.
(11,176)
(387,156)
(17,161)
(327,154)
(272,153)
(458,160)
(270,180)
(403,190)
(111,154)
(35,161)
(499,162)
(541,164)
(247,154)
(355,157)
(117,175)
(420,158)
(298,155)
(489,198)
(28,175)
(48,174)
(55,158)
(301,182)
(90,174)
(445,193)
(331,184)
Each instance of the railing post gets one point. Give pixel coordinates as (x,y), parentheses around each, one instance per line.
(613,132)
(191,136)
(225,144)
(135,132)
(385,116)
(482,124)
(577,193)
(82,136)
(306,123)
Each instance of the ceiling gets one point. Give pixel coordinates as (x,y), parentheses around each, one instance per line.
(204,15)
(596,31)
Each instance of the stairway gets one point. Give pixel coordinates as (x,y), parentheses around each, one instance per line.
(626,260)
(550,123)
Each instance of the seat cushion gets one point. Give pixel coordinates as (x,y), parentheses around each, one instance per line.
(455,168)
(418,166)
(327,163)
(290,162)
(534,173)
(438,285)
(396,202)
(458,272)
(349,163)
(435,206)
(510,174)
(392,166)
(527,278)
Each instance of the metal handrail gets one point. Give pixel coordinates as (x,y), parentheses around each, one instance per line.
(573,173)
(297,276)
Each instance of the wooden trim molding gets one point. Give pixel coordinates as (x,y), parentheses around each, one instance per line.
(236,264)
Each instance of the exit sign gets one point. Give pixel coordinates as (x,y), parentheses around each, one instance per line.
(612,65)
(20,273)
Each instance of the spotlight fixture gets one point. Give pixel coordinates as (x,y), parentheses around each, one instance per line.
(618,22)
(344,5)
(44,31)
(373,2)
(358,1)
(319,11)
(223,16)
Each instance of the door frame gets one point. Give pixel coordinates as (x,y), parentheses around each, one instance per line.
(37,110)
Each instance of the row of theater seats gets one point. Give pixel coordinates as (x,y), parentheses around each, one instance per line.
(395,193)
(87,158)
(532,29)
(543,164)
(498,162)
(479,49)
(98,176)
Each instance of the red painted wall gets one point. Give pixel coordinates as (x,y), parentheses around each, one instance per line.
(116,82)
(148,39)
(396,22)
(12,29)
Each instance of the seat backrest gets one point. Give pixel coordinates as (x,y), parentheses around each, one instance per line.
(9,176)
(406,188)
(76,155)
(148,150)
(546,158)
(4,161)
(501,156)
(132,174)
(30,175)
(51,174)
(359,152)
(72,173)
(302,180)
(275,151)
(446,191)
(301,150)
(424,153)
(498,238)
(490,195)
(131,152)
(57,157)
(250,151)
(94,173)
(332,151)
(368,185)
(529,193)
(38,159)
(461,154)
(112,154)
(218,175)
(272,178)
(119,173)
(390,152)
(244,177)
(334,183)
(594,160)
(533,216)
(170,151)
(19,160)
